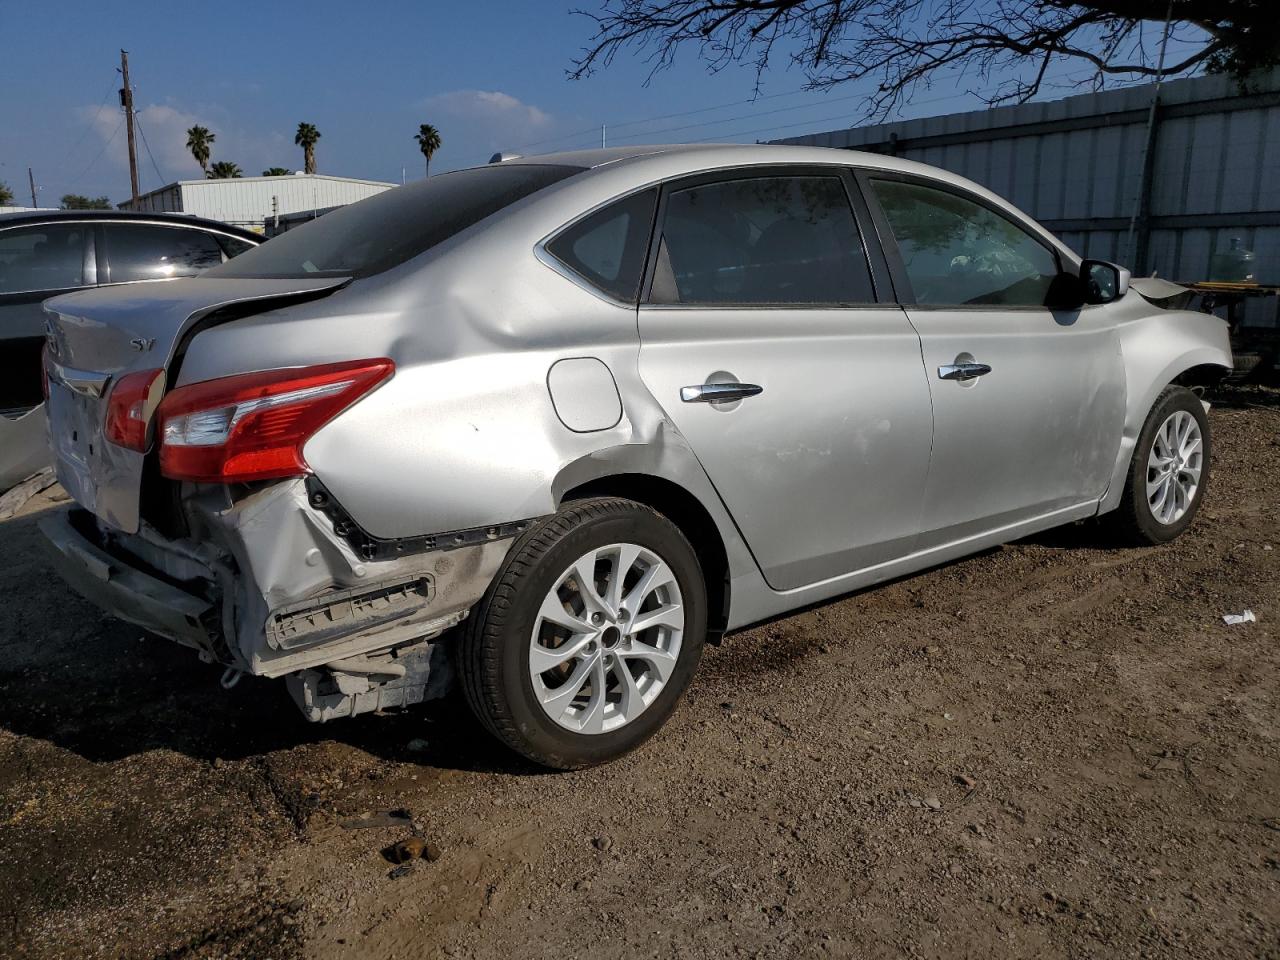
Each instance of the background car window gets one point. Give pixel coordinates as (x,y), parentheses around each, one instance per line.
(764,240)
(959,252)
(233,246)
(138,251)
(47,257)
(608,248)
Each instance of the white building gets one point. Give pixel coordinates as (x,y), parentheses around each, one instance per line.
(248,201)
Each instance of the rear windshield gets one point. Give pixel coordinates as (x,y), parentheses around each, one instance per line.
(387,229)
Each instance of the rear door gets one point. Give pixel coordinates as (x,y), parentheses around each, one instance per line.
(802,395)
(1028,400)
(37,261)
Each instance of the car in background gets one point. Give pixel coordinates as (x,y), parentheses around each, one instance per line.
(47,252)
(598,408)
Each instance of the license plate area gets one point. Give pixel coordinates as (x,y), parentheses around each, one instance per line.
(100,476)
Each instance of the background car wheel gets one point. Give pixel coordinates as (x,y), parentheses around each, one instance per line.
(1169,472)
(587,636)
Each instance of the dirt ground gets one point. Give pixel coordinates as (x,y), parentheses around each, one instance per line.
(1053,749)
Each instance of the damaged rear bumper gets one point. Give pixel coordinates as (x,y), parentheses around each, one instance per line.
(266,586)
(124,590)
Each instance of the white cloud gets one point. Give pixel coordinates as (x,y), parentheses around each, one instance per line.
(164,128)
(489,119)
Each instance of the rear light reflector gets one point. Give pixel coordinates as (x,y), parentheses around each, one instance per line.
(130,404)
(254,426)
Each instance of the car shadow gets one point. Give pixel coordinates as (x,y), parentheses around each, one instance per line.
(104,690)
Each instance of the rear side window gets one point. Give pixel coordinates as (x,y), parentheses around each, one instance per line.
(46,257)
(140,251)
(958,252)
(376,234)
(607,249)
(233,246)
(767,240)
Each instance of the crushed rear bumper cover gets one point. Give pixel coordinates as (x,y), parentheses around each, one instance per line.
(125,590)
(266,586)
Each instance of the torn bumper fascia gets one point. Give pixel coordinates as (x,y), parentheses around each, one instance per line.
(266,586)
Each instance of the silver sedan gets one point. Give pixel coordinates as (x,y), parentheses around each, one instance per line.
(549,425)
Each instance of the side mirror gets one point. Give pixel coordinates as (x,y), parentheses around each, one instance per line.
(1103,282)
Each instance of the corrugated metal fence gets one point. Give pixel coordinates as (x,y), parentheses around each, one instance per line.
(1077,166)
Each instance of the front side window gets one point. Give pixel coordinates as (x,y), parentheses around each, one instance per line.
(766,240)
(140,251)
(608,248)
(45,257)
(958,252)
(385,230)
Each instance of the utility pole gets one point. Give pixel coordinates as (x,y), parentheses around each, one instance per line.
(602,137)
(31,179)
(126,101)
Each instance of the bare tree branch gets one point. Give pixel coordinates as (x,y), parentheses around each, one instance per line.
(904,44)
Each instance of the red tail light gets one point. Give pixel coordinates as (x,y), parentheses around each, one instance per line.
(130,404)
(253,426)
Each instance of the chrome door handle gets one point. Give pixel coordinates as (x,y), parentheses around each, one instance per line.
(719,392)
(963,371)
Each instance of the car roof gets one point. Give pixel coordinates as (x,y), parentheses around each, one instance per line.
(699,155)
(123,216)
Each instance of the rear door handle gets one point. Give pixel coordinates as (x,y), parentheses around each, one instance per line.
(719,392)
(963,371)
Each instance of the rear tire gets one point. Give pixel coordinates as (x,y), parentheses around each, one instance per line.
(1169,471)
(582,710)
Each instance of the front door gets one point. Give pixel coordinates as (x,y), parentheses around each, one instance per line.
(1028,401)
(804,399)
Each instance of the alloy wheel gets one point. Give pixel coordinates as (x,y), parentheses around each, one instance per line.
(1174,466)
(606,638)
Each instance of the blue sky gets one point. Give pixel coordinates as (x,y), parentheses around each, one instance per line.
(490,74)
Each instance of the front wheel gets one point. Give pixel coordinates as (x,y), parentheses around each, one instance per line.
(1169,471)
(588,635)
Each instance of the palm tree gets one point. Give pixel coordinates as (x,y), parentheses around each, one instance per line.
(224,170)
(199,139)
(429,141)
(306,138)
(277,172)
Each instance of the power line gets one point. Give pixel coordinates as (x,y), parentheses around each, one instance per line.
(154,166)
(744,116)
(666,116)
(791,126)
(591,132)
(98,156)
(89,127)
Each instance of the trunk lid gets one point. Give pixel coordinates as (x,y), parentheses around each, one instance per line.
(97,336)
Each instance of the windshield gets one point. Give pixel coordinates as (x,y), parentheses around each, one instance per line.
(387,229)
